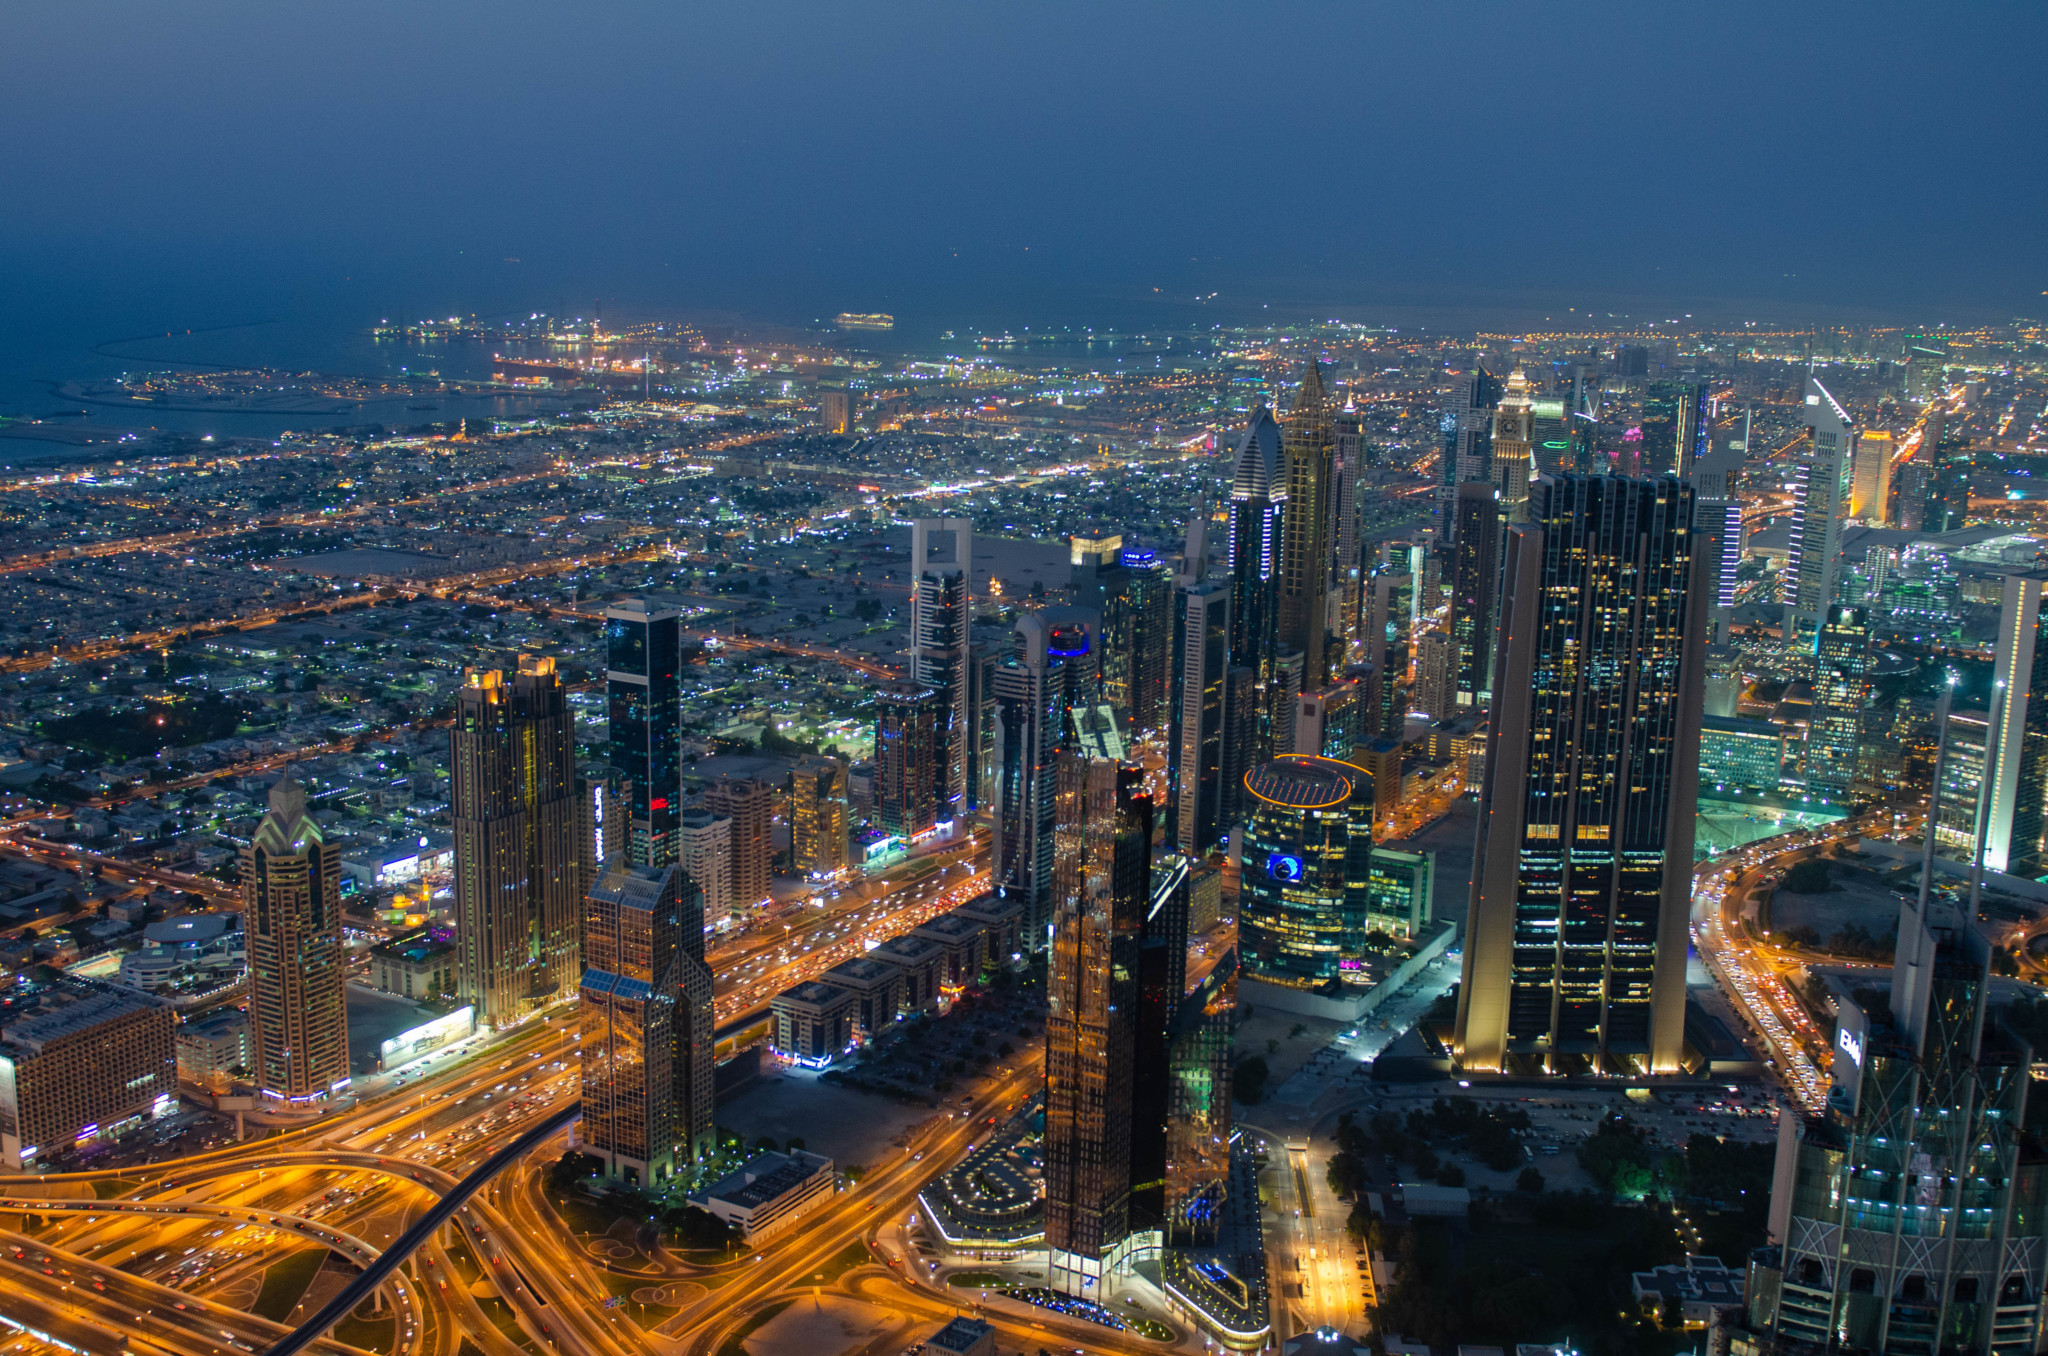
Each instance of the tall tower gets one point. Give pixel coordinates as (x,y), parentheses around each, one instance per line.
(941,582)
(1102,867)
(1841,688)
(1870,478)
(1196,753)
(1575,939)
(512,793)
(817,817)
(644,698)
(1475,553)
(1514,434)
(2016,817)
(1307,870)
(1820,504)
(604,809)
(906,748)
(1030,690)
(1310,442)
(1258,500)
(291,901)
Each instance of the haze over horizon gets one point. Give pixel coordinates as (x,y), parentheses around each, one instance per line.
(212,163)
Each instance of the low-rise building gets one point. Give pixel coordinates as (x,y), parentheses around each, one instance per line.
(417,965)
(813,1022)
(216,1043)
(189,951)
(1002,922)
(963,1337)
(81,1060)
(769,1193)
(920,968)
(1702,1288)
(873,985)
(961,938)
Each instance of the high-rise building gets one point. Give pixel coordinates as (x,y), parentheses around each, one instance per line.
(1102,867)
(604,822)
(750,805)
(818,816)
(1198,1122)
(1326,720)
(1514,440)
(1576,934)
(1196,749)
(1240,747)
(1342,531)
(82,1061)
(298,968)
(1820,506)
(1258,502)
(1468,454)
(835,410)
(906,746)
(1307,865)
(1947,479)
(1870,478)
(646,1022)
(1437,686)
(704,852)
(1147,633)
(2016,812)
(1841,689)
(1475,547)
(1902,1215)
(942,585)
(981,707)
(1674,427)
(1031,706)
(1309,440)
(512,796)
(644,697)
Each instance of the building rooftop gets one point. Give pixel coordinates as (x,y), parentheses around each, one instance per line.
(70,1008)
(765,1176)
(962,1334)
(814,993)
(190,929)
(1300,783)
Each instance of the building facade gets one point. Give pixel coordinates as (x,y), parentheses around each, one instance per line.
(906,752)
(298,969)
(644,703)
(942,586)
(750,805)
(82,1061)
(818,818)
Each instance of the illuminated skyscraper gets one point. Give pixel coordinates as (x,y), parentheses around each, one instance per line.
(1474,570)
(750,805)
(2016,816)
(1870,478)
(1514,438)
(1575,939)
(1198,1120)
(1196,751)
(818,817)
(941,588)
(646,1020)
(1820,507)
(604,809)
(1674,428)
(1946,455)
(1258,499)
(1102,868)
(643,656)
(704,852)
(298,969)
(1310,442)
(1030,691)
(1841,689)
(1468,454)
(512,796)
(1437,687)
(1307,870)
(906,745)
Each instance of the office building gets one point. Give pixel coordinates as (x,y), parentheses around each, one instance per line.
(1031,707)
(512,794)
(1102,868)
(1576,934)
(920,965)
(1841,689)
(1309,442)
(1307,856)
(1399,892)
(644,698)
(1326,720)
(1162,986)
(1674,428)
(82,1062)
(646,1024)
(1145,637)
(1740,758)
(1258,501)
(1437,682)
(1475,547)
(298,968)
(942,585)
(604,822)
(1198,1064)
(906,747)
(1514,438)
(2016,812)
(1196,744)
(1820,507)
(981,707)
(818,815)
(873,985)
(1946,452)
(1902,1214)
(1870,478)
(835,411)
(1468,452)
(704,851)
(750,805)
(769,1193)
(813,1023)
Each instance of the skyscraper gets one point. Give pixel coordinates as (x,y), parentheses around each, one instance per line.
(1575,939)
(1258,499)
(1841,689)
(646,1024)
(1198,1121)
(1102,866)
(298,970)
(1674,427)
(1307,870)
(704,852)
(818,817)
(1468,454)
(512,794)
(1820,504)
(1437,663)
(906,746)
(750,805)
(1514,438)
(2016,816)
(1031,706)
(941,588)
(1475,548)
(604,814)
(1870,478)
(1196,749)
(1148,634)
(1309,440)
(643,656)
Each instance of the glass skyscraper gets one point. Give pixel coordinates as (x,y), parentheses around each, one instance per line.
(1307,870)
(644,698)
(1576,936)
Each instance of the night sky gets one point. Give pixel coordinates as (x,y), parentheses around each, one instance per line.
(198,163)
